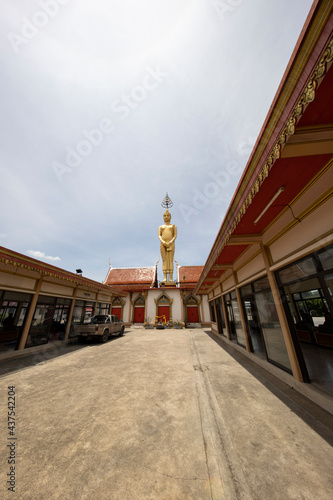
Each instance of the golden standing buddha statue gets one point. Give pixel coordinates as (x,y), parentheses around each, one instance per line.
(167,235)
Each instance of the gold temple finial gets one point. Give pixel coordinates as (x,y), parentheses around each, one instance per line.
(167,202)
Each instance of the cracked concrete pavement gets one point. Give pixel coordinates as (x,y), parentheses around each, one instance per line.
(162,414)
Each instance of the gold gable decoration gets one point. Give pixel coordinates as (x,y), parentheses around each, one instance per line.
(139,301)
(191,300)
(163,299)
(118,301)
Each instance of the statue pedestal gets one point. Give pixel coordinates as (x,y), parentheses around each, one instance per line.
(165,284)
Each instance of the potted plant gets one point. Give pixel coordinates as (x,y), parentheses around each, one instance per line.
(169,324)
(147,324)
(177,324)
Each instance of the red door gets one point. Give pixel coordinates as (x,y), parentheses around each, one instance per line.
(164,310)
(139,313)
(116,311)
(192,314)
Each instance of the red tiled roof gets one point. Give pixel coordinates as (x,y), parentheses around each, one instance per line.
(130,288)
(191,273)
(131,276)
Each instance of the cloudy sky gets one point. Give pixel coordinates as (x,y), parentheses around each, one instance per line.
(108,105)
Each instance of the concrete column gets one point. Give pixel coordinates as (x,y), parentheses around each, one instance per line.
(130,306)
(202,310)
(30,315)
(282,318)
(216,322)
(70,315)
(145,296)
(182,307)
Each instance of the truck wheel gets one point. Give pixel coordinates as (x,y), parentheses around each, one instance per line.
(105,336)
(121,333)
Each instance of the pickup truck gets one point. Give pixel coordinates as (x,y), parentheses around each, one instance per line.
(102,326)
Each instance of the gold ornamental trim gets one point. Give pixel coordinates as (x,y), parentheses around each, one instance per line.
(44,273)
(118,301)
(307,96)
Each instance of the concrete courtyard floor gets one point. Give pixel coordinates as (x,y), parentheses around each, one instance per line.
(160,414)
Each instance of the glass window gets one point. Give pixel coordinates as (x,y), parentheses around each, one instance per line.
(7,313)
(88,312)
(238,322)
(253,323)
(329,283)
(41,323)
(212,311)
(60,316)
(246,290)
(45,299)
(103,308)
(270,325)
(308,304)
(16,296)
(13,311)
(311,294)
(326,258)
(78,311)
(261,284)
(220,315)
(23,312)
(309,308)
(299,270)
(230,316)
(63,301)
(43,315)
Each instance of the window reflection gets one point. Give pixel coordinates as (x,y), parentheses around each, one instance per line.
(263,326)
(219,315)
(238,323)
(270,325)
(309,308)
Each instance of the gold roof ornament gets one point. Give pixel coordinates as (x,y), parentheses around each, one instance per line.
(167,202)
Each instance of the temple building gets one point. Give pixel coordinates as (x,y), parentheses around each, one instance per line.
(168,301)
(269,274)
(266,288)
(39,302)
(151,301)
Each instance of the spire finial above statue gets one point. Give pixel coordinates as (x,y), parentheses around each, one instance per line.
(167,202)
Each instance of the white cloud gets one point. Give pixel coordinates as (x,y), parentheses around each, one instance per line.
(222,77)
(41,255)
